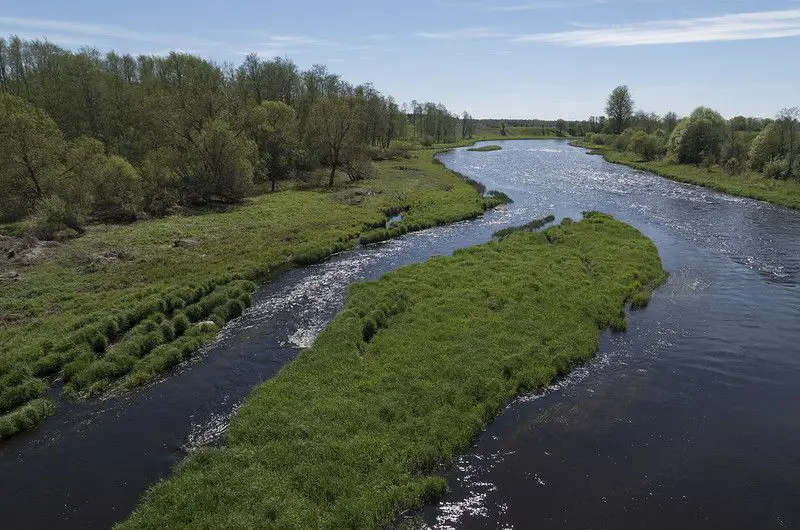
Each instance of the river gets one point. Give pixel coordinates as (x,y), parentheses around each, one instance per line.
(690,418)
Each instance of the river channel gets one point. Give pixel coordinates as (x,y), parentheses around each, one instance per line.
(689,419)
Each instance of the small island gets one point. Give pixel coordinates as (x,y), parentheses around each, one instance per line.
(485,148)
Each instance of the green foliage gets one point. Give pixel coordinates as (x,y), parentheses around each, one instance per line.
(699,137)
(648,146)
(619,109)
(766,147)
(53,215)
(220,166)
(31,146)
(412,368)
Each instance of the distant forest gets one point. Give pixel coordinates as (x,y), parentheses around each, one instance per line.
(86,136)
(110,137)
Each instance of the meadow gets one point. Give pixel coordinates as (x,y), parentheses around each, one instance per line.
(359,427)
(113,309)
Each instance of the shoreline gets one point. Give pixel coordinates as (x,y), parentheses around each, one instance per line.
(749,185)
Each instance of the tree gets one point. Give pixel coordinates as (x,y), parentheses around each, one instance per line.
(788,118)
(467,125)
(619,108)
(699,138)
(766,146)
(670,120)
(220,166)
(560,124)
(31,147)
(273,127)
(332,124)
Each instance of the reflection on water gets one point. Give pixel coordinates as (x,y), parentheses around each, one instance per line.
(694,406)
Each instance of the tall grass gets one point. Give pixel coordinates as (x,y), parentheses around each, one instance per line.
(411,369)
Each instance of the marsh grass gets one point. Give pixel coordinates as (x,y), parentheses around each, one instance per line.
(106,327)
(409,372)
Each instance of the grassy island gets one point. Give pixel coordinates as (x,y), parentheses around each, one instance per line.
(411,369)
(485,148)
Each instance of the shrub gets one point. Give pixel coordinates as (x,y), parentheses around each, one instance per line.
(53,215)
(180,323)
(648,146)
(777,169)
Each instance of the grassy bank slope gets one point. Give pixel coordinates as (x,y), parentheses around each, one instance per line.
(749,184)
(124,303)
(412,368)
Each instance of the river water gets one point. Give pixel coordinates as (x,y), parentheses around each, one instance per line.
(690,418)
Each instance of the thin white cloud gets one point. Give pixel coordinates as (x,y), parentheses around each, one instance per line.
(742,26)
(461,34)
(80,28)
(537,6)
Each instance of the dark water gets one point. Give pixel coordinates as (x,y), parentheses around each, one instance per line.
(688,419)
(691,419)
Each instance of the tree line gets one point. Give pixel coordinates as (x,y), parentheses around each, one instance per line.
(705,137)
(85,135)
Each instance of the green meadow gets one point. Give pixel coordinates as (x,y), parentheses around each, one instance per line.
(410,371)
(112,309)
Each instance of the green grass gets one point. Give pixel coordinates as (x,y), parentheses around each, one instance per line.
(112,309)
(749,184)
(410,371)
(485,148)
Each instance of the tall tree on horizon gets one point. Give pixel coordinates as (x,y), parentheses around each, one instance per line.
(619,108)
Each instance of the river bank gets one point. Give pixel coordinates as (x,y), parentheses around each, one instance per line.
(117,307)
(412,368)
(749,184)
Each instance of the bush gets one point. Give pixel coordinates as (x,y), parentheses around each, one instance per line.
(765,147)
(53,215)
(777,169)
(359,167)
(116,191)
(733,167)
(648,146)
(181,323)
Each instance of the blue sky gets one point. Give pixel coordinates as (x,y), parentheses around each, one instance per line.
(508,58)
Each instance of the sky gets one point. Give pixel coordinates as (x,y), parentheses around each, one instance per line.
(542,59)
